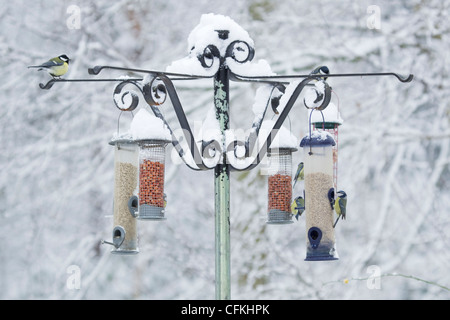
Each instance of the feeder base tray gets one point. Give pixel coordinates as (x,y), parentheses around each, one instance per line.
(124,252)
(148,212)
(279,217)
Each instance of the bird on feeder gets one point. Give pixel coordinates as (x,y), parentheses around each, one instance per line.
(298,206)
(340,205)
(300,174)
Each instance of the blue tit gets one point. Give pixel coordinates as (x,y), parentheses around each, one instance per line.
(340,205)
(298,206)
(331,197)
(300,174)
(323,70)
(56,67)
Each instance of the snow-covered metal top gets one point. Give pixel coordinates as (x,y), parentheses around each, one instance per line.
(318,138)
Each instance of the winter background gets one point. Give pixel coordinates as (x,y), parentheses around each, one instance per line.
(56,178)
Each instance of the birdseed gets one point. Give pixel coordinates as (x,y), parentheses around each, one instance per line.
(318,209)
(125,184)
(151,183)
(280,192)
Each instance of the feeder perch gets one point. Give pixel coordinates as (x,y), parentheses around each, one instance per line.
(318,166)
(280,185)
(125,183)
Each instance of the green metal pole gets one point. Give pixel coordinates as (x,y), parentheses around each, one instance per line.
(222,190)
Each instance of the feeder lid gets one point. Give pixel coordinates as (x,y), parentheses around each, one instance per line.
(318,138)
(124,139)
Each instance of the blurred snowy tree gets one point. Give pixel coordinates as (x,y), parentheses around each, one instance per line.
(56,182)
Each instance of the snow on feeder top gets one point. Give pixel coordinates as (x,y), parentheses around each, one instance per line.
(280,176)
(151,136)
(318,167)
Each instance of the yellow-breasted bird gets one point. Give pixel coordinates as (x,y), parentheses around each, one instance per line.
(56,67)
(298,206)
(300,174)
(340,205)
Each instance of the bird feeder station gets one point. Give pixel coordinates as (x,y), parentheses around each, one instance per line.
(125,239)
(318,166)
(223,51)
(329,120)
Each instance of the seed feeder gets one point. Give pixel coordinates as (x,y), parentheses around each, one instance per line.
(151,136)
(280,179)
(329,120)
(318,167)
(151,179)
(125,183)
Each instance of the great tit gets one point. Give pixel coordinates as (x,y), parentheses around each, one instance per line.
(300,174)
(340,205)
(323,70)
(56,67)
(298,206)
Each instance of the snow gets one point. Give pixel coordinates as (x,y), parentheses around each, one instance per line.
(146,126)
(58,168)
(330,114)
(205,34)
(261,101)
(284,138)
(312,93)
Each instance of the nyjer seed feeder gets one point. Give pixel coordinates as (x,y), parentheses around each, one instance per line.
(318,167)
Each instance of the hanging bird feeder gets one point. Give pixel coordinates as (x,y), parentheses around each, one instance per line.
(329,120)
(151,136)
(318,167)
(125,239)
(151,179)
(280,185)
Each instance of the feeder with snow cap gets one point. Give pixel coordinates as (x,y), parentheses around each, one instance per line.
(151,136)
(318,168)
(279,158)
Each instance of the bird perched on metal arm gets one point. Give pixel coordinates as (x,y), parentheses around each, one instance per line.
(56,67)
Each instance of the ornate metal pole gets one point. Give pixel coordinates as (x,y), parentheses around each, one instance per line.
(222,189)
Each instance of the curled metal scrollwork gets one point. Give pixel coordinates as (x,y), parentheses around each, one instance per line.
(239,51)
(251,142)
(126,100)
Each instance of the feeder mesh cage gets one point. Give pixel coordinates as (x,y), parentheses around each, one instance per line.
(151,175)
(280,185)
